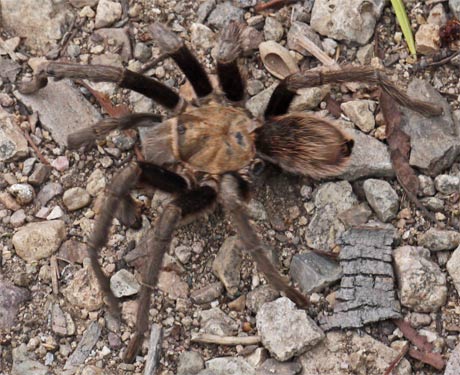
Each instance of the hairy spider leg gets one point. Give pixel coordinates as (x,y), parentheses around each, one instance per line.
(125,78)
(158,242)
(232,200)
(171,44)
(286,90)
(100,129)
(229,49)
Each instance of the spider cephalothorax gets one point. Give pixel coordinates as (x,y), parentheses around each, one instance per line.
(203,153)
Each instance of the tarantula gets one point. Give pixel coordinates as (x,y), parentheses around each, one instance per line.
(207,151)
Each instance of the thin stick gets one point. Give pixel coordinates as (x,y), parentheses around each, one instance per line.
(273,4)
(398,359)
(225,340)
(54,275)
(35,148)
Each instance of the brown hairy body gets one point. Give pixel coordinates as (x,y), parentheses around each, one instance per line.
(208,151)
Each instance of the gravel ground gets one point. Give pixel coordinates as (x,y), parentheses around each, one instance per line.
(52,318)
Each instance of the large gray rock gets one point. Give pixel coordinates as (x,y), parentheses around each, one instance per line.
(349,20)
(330,200)
(370,158)
(40,22)
(189,363)
(434,145)
(313,272)
(422,284)
(285,330)
(350,353)
(25,363)
(62,109)
(223,14)
(40,240)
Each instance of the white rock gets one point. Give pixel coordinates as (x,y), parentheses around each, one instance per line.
(286,331)
(124,283)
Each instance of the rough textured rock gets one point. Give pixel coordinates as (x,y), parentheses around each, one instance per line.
(370,158)
(153,357)
(439,239)
(454,6)
(447,184)
(285,330)
(272,366)
(313,272)
(25,363)
(422,285)
(40,240)
(124,283)
(382,198)
(228,366)
(256,298)
(427,39)
(226,265)
(223,14)
(84,347)
(351,353)
(84,290)
(216,322)
(171,283)
(434,146)
(62,323)
(207,294)
(107,13)
(349,20)
(62,109)
(23,193)
(10,299)
(367,292)
(453,267)
(40,23)
(361,113)
(453,365)
(189,363)
(13,145)
(257,104)
(330,200)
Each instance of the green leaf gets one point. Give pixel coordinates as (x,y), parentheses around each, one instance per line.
(403,20)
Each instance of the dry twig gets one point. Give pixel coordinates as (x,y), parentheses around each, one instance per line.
(273,4)
(398,359)
(225,340)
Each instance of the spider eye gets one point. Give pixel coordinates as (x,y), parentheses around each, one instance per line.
(257,167)
(181,129)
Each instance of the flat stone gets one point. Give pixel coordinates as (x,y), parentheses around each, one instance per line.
(434,145)
(257,104)
(309,98)
(422,285)
(439,239)
(346,353)
(123,283)
(447,184)
(370,158)
(48,192)
(76,198)
(170,283)
(330,199)
(453,364)
(313,272)
(226,266)
(119,39)
(382,198)
(40,240)
(11,297)
(153,356)
(228,366)
(62,109)
(25,363)
(349,20)
(85,346)
(9,69)
(62,323)
(13,145)
(40,23)
(285,330)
